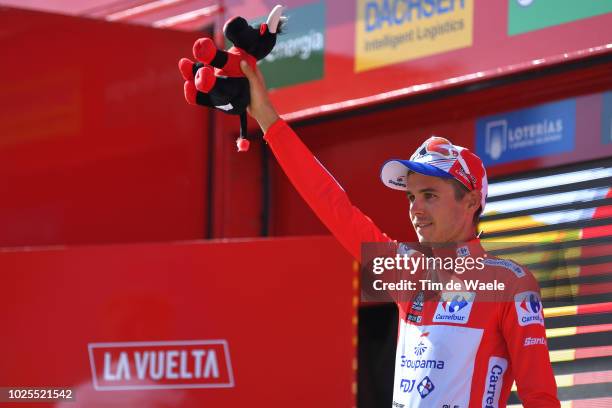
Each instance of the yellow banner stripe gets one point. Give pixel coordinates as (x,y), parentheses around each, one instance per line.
(560,311)
(561,331)
(557,356)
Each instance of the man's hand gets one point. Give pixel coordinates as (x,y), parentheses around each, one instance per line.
(260,106)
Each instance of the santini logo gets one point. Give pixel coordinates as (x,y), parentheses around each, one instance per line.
(172,364)
(534,341)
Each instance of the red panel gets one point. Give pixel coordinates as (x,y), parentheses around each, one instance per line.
(98,144)
(287,319)
(237,180)
(353,149)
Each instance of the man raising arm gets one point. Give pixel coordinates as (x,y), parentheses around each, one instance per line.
(453,351)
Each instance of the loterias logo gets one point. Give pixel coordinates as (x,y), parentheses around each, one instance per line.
(541,130)
(165,364)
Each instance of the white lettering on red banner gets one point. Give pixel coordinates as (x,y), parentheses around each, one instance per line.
(165,364)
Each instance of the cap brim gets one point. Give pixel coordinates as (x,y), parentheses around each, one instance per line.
(393,172)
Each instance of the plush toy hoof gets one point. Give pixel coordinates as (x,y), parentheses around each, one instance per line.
(190,92)
(186,67)
(274,18)
(242,144)
(204,50)
(205,79)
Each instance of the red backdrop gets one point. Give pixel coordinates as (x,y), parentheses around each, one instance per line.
(97,143)
(286,315)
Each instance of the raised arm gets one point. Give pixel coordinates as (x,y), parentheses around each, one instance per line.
(315,184)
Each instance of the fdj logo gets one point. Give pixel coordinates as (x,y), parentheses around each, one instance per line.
(407,385)
(425,387)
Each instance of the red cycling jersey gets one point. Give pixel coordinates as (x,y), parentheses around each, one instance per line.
(454,351)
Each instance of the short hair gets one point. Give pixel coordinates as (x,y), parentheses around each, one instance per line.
(460,192)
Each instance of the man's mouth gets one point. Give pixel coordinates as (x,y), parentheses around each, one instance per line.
(422,225)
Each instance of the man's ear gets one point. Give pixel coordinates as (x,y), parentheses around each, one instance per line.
(474,199)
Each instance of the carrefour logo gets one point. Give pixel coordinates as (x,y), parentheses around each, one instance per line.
(456,304)
(454,307)
(531,304)
(494,382)
(528,308)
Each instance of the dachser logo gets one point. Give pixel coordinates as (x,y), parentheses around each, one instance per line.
(162,364)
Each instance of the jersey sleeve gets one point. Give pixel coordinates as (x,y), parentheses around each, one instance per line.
(525,335)
(321,191)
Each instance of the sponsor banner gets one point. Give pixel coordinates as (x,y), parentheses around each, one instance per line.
(528,308)
(163,365)
(389,32)
(297,56)
(606,118)
(527,133)
(530,15)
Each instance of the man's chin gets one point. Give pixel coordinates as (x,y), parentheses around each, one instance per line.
(429,240)
(424,239)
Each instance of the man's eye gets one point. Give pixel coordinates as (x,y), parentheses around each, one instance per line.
(429,196)
(411,198)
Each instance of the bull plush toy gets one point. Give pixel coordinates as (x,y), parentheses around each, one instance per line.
(216,80)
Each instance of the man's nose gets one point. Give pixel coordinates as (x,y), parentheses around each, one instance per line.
(417,207)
